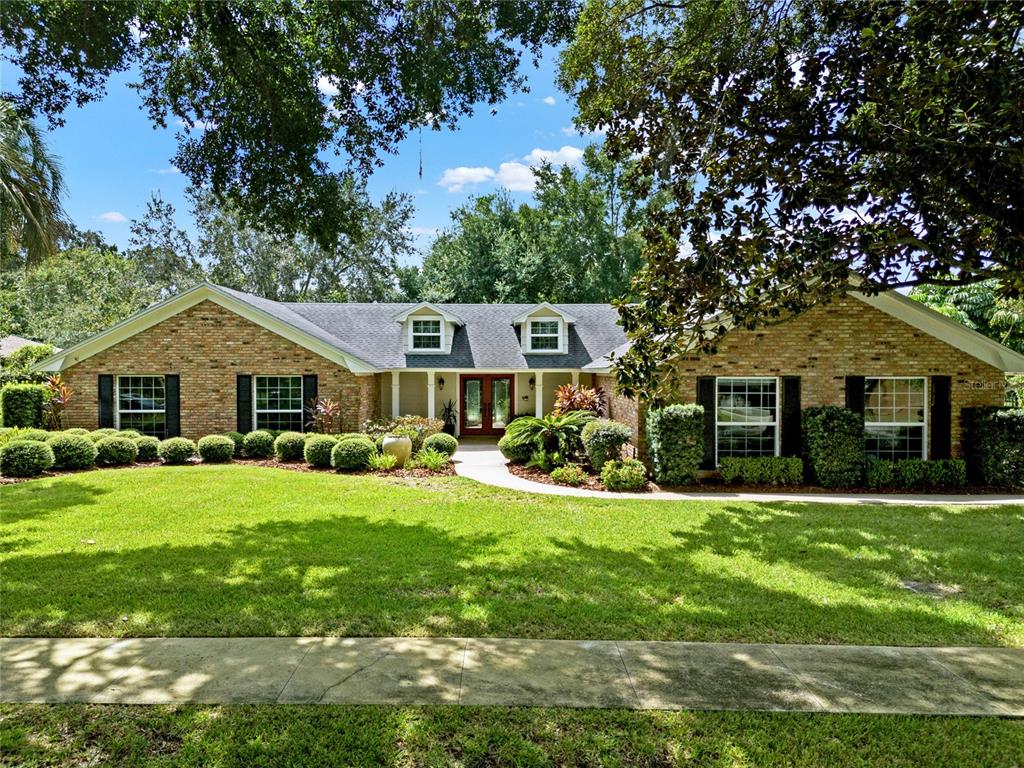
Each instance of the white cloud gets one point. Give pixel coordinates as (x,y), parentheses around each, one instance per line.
(422,231)
(454,179)
(515,177)
(114,217)
(201,125)
(168,171)
(565,156)
(327,86)
(572,130)
(549,100)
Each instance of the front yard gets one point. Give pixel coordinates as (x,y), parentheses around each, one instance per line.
(237,550)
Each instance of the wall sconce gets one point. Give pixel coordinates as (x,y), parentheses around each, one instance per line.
(533,383)
(440,383)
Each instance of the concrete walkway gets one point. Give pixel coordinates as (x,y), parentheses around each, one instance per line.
(548,673)
(481,460)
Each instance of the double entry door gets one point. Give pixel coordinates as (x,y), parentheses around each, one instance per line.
(486,403)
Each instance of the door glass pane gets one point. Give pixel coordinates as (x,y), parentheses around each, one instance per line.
(472,418)
(500,403)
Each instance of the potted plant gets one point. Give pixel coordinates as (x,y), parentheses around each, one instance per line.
(398,444)
(449,415)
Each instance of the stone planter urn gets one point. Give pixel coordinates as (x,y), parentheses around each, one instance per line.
(398,446)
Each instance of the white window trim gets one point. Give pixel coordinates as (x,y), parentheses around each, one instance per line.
(529,335)
(776,423)
(440,335)
(923,424)
(117,396)
(257,410)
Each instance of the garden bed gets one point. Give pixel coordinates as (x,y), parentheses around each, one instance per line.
(593,482)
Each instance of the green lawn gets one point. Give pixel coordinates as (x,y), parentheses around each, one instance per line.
(237,550)
(309,736)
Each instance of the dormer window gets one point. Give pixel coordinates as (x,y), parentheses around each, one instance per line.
(426,335)
(545,335)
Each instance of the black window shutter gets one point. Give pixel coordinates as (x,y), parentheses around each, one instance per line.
(308,394)
(106,401)
(942,417)
(172,405)
(706,398)
(244,401)
(792,436)
(855,393)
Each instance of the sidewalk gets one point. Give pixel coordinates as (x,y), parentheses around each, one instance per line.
(509,672)
(483,462)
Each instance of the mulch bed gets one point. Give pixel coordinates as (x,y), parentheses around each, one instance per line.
(592,483)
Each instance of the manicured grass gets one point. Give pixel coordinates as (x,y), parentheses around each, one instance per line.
(309,736)
(236,550)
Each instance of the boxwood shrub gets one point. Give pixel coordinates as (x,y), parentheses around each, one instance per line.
(994,445)
(517,451)
(624,475)
(215,449)
(115,451)
(148,448)
(258,444)
(947,473)
(176,450)
(317,450)
(237,438)
(442,443)
(39,435)
(21,405)
(25,458)
(129,433)
(76,431)
(603,440)
(833,446)
(879,473)
(288,446)
(98,434)
(675,442)
(72,451)
(916,474)
(762,470)
(352,453)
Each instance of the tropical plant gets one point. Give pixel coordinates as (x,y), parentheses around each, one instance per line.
(432,460)
(556,433)
(577,397)
(324,415)
(56,402)
(382,462)
(31,185)
(449,415)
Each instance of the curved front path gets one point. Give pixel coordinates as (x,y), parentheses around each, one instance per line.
(483,462)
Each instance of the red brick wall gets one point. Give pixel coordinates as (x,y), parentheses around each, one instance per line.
(207,346)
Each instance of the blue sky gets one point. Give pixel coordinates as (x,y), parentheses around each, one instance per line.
(114,158)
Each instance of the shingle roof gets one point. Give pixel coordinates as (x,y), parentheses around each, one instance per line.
(12,343)
(488,340)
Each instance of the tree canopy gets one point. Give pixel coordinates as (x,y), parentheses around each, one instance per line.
(268,90)
(577,242)
(803,146)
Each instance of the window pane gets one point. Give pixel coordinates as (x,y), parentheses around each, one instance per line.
(473,416)
(894,401)
(544,342)
(426,326)
(279,420)
(547,327)
(894,443)
(279,393)
(746,400)
(746,441)
(426,342)
(140,393)
(154,424)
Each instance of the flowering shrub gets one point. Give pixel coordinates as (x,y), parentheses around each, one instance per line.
(417,428)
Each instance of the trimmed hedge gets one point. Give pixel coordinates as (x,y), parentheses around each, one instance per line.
(762,470)
(237,438)
(317,450)
(994,445)
(915,474)
(25,458)
(72,451)
(129,433)
(215,449)
(288,446)
(98,434)
(39,435)
(625,475)
(258,444)
(148,448)
(516,450)
(21,405)
(352,453)
(603,440)
(176,450)
(76,431)
(442,443)
(115,451)
(675,442)
(833,446)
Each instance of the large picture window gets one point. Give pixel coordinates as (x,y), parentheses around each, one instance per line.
(141,405)
(746,416)
(894,417)
(426,334)
(545,335)
(278,402)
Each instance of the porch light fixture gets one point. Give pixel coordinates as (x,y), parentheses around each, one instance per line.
(440,383)
(533,383)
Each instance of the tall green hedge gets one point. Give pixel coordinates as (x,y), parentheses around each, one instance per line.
(675,442)
(994,446)
(833,446)
(21,405)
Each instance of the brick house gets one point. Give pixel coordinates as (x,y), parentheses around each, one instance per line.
(213,359)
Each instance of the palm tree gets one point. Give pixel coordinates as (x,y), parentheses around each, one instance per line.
(31,185)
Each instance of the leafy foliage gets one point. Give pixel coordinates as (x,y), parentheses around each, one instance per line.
(258,444)
(317,450)
(176,450)
(215,449)
(290,446)
(431,459)
(556,433)
(72,451)
(416,428)
(569,474)
(269,91)
(115,451)
(675,442)
(25,458)
(578,397)
(624,475)
(149,448)
(603,440)
(352,453)
(518,446)
(758,470)
(58,395)
(994,446)
(383,462)
(833,446)
(797,142)
(442,443)
(14,368)
(21,405)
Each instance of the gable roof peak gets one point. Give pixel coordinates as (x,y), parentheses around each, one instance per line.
(544,305)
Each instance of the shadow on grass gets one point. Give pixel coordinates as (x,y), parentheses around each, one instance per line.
(778,572)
